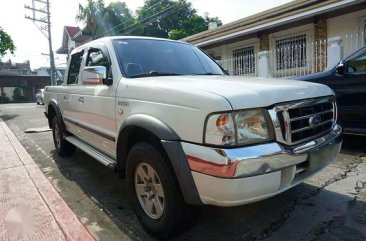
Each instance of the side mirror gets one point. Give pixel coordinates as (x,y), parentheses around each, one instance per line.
(94,75)
(341,68)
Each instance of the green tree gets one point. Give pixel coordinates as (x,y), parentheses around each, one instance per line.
(158,17)
(91,15)
(6,43)
(116,17)
(193,25)
(175,19)
(104,21)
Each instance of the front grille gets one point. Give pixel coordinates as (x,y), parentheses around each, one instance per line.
(304,120)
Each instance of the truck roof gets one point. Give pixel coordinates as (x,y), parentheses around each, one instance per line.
(106,39)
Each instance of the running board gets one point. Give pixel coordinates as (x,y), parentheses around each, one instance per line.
(99,156)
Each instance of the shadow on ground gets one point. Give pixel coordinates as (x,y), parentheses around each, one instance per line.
(250,222)
(354,145)
(8,117)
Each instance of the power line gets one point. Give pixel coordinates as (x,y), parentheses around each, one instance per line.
(158,17)
(120,24)
(152,18)
(41,18)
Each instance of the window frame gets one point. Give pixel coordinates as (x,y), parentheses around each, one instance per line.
(251,42)
(308,30)
(95,49)
(76,82)
(253,64)
(361,52)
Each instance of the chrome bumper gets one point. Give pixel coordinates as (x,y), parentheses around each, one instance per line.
(229,177)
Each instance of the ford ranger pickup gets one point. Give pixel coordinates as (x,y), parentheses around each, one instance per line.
(183,133)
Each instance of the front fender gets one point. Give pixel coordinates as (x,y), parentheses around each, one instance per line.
(152,124)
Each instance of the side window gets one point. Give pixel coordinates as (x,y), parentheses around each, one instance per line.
(74,68)
(97,58)
(357,64)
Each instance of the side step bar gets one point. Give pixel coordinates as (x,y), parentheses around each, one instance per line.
(99,156)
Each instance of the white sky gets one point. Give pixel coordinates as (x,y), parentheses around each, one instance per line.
(31,43)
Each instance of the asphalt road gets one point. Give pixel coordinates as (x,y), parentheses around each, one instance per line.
(329,206)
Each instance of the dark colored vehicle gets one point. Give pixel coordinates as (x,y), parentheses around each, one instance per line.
(348,80)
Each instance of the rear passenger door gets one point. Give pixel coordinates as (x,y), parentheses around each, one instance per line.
(67,100)
(96,105)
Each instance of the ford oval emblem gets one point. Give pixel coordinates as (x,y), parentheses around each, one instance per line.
(314,120)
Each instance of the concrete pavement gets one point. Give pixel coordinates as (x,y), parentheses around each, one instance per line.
(329,206)
(30,207)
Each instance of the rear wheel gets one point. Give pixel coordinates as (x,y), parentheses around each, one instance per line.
(63,147)
(156,196)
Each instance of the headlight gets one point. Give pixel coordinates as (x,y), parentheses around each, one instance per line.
(238,128)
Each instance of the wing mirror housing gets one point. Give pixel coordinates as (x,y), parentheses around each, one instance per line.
(341,68)
(95,75)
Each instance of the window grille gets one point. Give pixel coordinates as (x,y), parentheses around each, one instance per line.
(291,52)
(244,61)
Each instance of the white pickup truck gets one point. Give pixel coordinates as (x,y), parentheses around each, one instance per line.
(183,133)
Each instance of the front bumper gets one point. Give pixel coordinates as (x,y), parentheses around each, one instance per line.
(231,177)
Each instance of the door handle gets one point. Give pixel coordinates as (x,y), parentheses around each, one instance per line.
(65,97)
(81,99)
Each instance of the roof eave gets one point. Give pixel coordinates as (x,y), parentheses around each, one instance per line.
(193,39)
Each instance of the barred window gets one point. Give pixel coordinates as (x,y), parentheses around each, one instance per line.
(244,61)
(291,52)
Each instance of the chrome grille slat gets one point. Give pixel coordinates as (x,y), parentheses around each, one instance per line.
(311,127)
(299,121)
(308,116)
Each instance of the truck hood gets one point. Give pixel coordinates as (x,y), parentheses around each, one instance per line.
(246,92)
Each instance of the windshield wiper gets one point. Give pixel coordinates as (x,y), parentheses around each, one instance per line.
(153,73)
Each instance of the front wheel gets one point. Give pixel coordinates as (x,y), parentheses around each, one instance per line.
(156,196)
(63,147)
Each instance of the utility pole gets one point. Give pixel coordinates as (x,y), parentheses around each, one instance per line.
(41,17)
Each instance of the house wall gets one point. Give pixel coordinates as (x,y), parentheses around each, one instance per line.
(28,84)
(350,27)
(346,24)
(71,44)
(225,52)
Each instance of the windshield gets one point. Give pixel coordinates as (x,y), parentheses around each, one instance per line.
(146,57)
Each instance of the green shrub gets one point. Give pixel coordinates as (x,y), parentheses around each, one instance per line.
(18,97)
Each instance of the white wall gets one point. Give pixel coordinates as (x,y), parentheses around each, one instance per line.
(345,24)
(350,27)
(9,92)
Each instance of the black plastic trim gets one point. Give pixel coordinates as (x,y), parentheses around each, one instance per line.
(104,135)
(152,124)
(182,171)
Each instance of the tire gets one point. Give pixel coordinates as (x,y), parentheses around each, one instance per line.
(160,190)
(63,147)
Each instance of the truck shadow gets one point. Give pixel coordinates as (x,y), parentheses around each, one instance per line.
(354,145)
(317,212)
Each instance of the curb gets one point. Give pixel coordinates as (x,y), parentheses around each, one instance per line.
(67,221)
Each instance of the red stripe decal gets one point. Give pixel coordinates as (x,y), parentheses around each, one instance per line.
(213,169)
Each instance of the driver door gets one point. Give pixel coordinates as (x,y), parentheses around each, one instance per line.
(350,89)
